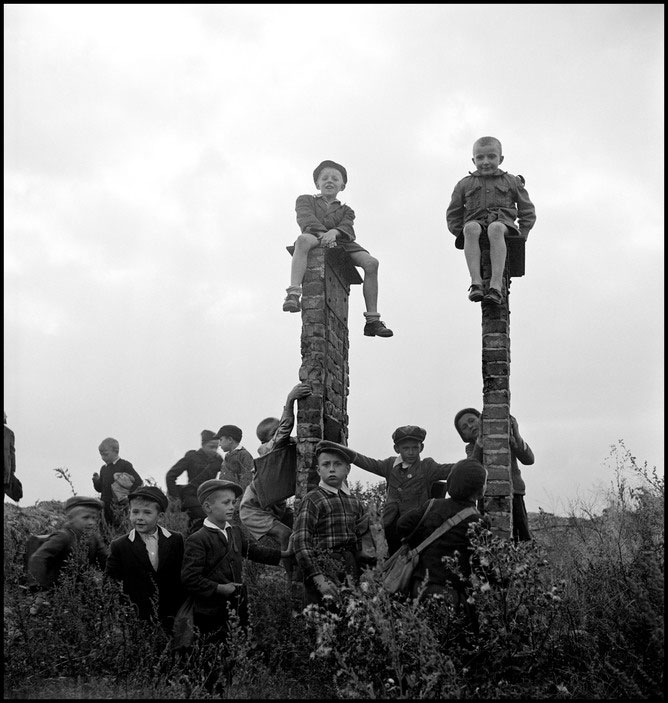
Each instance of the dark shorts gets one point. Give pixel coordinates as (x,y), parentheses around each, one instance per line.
(348,247)
(484,239)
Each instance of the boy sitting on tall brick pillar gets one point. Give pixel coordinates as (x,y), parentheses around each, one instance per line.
(325,221)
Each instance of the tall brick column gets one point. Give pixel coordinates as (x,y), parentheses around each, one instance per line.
(496,394)
(324,347)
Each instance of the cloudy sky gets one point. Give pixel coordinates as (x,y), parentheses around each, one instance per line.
(153,155)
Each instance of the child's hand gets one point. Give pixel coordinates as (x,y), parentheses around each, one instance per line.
(227,589)
(301,390)
(96,476)
(328,239)
(326,587)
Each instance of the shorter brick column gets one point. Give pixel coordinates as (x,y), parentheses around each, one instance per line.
(324,348)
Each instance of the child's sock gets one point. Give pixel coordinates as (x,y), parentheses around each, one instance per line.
(372,316)
(294,289)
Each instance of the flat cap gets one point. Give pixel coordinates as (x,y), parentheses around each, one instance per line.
(408,432)
(82,502)
(207,436)
(329,164)
(151,493)
(216,484)
(324,445)
(467,477)
(229,431)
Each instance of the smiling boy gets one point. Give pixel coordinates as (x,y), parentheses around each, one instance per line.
(325,221)
(488,200)
(148,559)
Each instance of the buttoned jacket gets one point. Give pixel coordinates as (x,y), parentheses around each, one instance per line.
(129,562)
(500,197)
(315,216)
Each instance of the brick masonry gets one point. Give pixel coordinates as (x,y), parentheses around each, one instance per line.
(496,407)
(324,348)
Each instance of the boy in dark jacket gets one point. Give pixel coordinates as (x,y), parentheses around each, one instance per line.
(325,221)
(148,560)
(109,476)
(489,201)
(410,479)
(466,484)
(212,562)
(82,521)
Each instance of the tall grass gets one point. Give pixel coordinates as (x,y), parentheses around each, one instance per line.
(577,613)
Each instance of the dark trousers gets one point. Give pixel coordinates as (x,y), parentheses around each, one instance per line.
(521,531)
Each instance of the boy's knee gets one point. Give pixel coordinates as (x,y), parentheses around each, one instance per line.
(496,230)
(472,229)
(371,265)
(306,241)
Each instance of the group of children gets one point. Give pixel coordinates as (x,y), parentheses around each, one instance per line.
(225,497)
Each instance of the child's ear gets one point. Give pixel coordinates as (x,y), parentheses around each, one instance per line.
(343,186)
(501,159)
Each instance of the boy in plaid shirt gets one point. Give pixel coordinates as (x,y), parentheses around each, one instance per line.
(326,530)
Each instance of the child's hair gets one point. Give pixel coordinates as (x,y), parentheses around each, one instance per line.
(72,513)
(484,141)
(266,428)
(110,443)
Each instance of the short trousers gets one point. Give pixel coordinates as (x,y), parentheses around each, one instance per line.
(348,247)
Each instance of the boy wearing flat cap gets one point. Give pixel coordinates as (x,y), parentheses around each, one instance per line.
(212,562)
(409,478)
(82,521)
(237,463)
(200,465)
(326,530)
(466,484)
(148,559)
(325,221)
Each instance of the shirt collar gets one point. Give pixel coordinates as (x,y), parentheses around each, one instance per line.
(321,196)
(330,489)
(208,523)
(398,462)
(498,172)
(133,533)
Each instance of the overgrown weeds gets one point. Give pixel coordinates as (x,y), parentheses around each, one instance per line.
(578,613)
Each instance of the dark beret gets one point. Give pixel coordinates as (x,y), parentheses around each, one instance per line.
(408,432)
(229,431)
(325,445)
(458,417)
(329,164)
(207,436)
(467,477)
(216,484)
(151,493)
(82,502)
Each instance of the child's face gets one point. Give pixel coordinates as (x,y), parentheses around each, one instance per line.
(210,447)
(144,515)
(409,450)
(468,426)
(219,506)
(84,519)
(333,469)
(226,443)
(487,158)
(330,182)
(108,455)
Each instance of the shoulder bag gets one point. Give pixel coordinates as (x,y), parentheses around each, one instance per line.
(397,571)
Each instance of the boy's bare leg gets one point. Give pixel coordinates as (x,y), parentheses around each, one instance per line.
(281,533)
(472,232)
(497,253)
(304,243)
(370,285)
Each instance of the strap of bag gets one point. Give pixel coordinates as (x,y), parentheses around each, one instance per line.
(447,525)
(424,515)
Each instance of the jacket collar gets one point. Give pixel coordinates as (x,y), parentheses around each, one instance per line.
(133,533)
